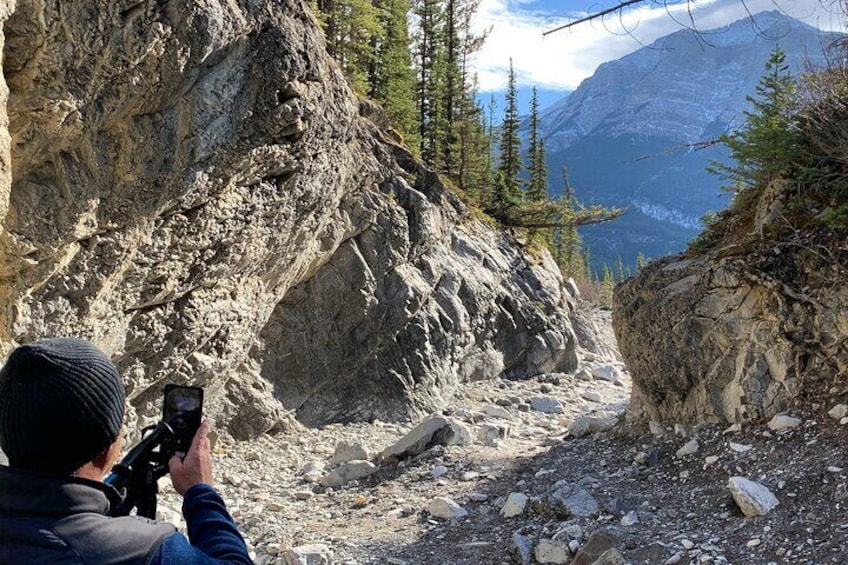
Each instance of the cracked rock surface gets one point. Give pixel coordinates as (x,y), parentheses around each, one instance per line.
(194,187)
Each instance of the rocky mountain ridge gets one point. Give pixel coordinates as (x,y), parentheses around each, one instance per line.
(194,187)
(623,133)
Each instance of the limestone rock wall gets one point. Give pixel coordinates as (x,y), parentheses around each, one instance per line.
(195,188)
(726,337)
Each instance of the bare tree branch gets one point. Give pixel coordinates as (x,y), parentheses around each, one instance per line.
(594,16)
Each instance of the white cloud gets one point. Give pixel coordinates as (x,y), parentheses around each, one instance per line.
(563,59)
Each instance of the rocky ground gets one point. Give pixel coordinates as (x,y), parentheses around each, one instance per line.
(543,471)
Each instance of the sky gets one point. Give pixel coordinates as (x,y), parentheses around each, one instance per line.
(558,62)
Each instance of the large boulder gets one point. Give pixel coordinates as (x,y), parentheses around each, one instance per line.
(196,189)
(734,334)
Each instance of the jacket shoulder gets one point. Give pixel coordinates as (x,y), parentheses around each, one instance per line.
(112,541)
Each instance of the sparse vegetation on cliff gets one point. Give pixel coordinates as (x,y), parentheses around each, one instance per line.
(789,173)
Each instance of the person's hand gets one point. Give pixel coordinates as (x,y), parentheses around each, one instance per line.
(196,468)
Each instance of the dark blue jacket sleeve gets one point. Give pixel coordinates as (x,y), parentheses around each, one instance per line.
(215,540)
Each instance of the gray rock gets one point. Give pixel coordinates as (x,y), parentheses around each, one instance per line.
(585,425)
(783,422)
(445,508)
(584,375)
(433,430)
(838,412)
(610,557)
(690,448)
(608,372)
(346,472)
(630,519)
(753,498)
(522,547)
(552,551)
(492,434)
(496,411)
(591,396)
(570,499)
(312,554)
(348,452)
(3,459)
(571,288)
(546,404)
(514,505)
(599,542)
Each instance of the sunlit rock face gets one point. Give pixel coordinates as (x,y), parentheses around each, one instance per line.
(195,188)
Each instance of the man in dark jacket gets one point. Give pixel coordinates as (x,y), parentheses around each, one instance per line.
(61,424)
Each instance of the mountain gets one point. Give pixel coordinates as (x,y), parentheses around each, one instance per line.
(626,133)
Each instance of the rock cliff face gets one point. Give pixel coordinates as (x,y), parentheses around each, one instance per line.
(195,188)
(736,334)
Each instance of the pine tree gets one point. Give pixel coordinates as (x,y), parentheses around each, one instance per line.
(429,62)
(508,187)
(768,143)
(641,261)
(537,185)
(352,28)
(392,78)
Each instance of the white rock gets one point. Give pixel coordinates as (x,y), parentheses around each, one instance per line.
(733,429)
(552,551)
(591,396)
(739,447)
(348,452)
(496,411)
(607,372)
(689,448)
(584,375)
(838,412)
(656,428)
(574,546)
(514,505)
(438,471)
(753,498)
(433,430)
(445,508)
(784,422)
(710,459)
(630,519)
(312,554)
(347,472)
(492,434)
(571,288)
(585,425)
(687,544)
(313,467)
(546,404)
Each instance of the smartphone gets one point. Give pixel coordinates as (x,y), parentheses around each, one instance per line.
(182,409)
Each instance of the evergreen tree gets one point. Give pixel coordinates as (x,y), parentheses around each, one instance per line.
(537,186)
(352,28)
(768,143)
(508,188)
(392,78)
(641,261)
(429,61)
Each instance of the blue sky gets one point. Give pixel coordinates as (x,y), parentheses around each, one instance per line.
(557,64)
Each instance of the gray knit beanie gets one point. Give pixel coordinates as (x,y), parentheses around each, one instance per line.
(61,404)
